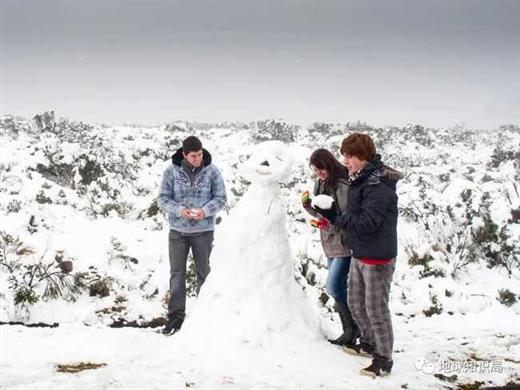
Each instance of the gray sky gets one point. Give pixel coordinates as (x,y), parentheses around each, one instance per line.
(384,62)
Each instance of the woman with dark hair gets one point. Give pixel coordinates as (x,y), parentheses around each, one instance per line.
(331,179)
(370,220)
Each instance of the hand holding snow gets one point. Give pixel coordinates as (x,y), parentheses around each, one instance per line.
(322,201)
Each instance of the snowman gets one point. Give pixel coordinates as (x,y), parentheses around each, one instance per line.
(251,298)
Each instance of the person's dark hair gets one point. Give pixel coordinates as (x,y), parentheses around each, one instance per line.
(323,159)
(359,145)
(191,144)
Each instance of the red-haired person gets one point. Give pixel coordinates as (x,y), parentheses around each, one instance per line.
(370,221)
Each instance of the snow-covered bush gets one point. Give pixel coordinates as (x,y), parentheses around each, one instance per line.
(67,130)
(103,199)
(501,155)
(89,169)
(271,129)
(43,198)
(507,297)
(14,206)
(117,254)
(98,285)
(435,308)
(58,167)
(459,233)
(31,281)
(425,260)
(12,126)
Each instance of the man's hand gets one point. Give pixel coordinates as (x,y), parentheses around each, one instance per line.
(321,223)
(197,214)
(327,214)
(186,214)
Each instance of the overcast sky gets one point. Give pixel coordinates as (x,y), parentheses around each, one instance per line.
(437,64)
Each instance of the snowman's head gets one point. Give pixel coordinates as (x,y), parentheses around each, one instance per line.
(270,161)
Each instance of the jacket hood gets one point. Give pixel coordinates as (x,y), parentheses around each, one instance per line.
(375,171)
(178,157)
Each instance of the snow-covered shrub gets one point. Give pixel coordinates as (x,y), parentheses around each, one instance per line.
(507,297)
(89,169)
(153,215)
(14,206)
(270,129)
(168,146)
(32,281)
(308,267)
(461,234)
(42,198)
(435,308)
(501,155)
(45,121)
(149,289)
(59,173)
(359,127)
(120,166)
(179,127)
(116,254)
(496,245)
(153,210)
(9,247)
(67,130)
(425,260)
(99,286)
(320,130)
(12,126)
(104,199)
(59,167)
(323,128)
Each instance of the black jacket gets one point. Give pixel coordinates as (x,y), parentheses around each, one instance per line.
(371,216)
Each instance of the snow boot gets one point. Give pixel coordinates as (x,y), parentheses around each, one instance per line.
(350,328)
(174,324)
(361,349)
(379,367)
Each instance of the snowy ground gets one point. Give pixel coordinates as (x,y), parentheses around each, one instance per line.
(474,338)
(143,359)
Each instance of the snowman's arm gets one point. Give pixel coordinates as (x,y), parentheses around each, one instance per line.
(165,200)
(218,194)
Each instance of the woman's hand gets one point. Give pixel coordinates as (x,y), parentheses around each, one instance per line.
(306,200)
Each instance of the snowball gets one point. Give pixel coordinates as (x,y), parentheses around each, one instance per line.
(322,201)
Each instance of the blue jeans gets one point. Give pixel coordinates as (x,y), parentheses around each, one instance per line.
(336,284)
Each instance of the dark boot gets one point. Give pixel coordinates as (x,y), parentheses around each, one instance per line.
(361,349)
(379,367)
(350,329)
(174,323)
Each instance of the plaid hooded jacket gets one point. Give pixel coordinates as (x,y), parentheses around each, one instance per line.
(176,193)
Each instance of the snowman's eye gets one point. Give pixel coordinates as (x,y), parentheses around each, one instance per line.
(265,163)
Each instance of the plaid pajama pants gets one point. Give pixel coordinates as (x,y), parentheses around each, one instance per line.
(368,292)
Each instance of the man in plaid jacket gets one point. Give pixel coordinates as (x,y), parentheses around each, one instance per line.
(192,193)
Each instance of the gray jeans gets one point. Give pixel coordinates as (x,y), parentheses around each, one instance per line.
(179,247)
(368,293)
